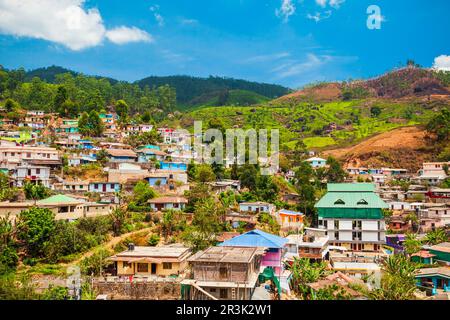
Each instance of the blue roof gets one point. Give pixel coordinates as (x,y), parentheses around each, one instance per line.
(289,212)
(255,238)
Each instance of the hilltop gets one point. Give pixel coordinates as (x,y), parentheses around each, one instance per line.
(408,82)
(191,91)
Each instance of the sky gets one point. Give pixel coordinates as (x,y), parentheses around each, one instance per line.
(287,42)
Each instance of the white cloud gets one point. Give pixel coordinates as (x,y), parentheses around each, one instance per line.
(319,16)
(322,3)
(336,3)
(64,22)
(158,17)
(268,57)
(189,21)
(332,3)
(442,63)
(294,68)
(286,10)
(122,35)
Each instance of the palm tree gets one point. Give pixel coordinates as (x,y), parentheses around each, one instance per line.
(118,217)
(397,282)
(411,243)
(436,236)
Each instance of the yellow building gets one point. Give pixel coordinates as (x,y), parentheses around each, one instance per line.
(160,261)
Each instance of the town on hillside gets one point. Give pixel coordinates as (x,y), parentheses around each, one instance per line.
(110,205)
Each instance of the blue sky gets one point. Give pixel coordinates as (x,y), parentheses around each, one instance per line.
(288,42)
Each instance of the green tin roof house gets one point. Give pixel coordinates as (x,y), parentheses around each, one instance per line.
(352,214)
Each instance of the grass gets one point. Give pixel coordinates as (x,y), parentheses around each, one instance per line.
(305,121)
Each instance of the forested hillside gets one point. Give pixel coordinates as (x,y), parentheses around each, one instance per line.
(190,91)
(190,88)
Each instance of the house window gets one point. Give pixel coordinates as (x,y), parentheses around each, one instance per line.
(142,267)
(362,202)
(38,171)
(167,265)
(336,235)
(126,264)
(339,201)
(223,293)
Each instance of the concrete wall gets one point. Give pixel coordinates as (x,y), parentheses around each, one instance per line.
(158,290)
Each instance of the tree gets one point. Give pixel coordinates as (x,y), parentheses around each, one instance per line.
(196,194)
(266,189)
(153,240)
(83,124)
(412,244)
(118,217)
(56,293)
(6,192)
(102,157)
(60,97)
(440,125)
(375,111)
(303,272)
(95,124)
(335,173)
(11,105)
(142,193)
(436,236)
(397,281)
(247,177)
(204,173)
(172,221)
(91,124)
(69,109)
(206,223)
(121,108)
(35,191)
(34,228)
(305,188)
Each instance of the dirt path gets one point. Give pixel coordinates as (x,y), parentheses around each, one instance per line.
(110,244)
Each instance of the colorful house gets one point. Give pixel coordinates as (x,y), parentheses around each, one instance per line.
(164,261)
(121,155)
(316,162)
(173,166)
(434,279)
(166,203)
(290,219)
(441,251)
(256,207)
(105,187)
(352,214)
(423,256)
(260,239)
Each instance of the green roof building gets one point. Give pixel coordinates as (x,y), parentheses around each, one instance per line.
(352,214)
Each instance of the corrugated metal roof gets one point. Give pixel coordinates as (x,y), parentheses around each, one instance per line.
(59,199)
(256,238)
(351,200)
(351,187)
(351,195)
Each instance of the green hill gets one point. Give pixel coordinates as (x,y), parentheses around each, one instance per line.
(49,74)
(192,90)
(229,98)
(318,125)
